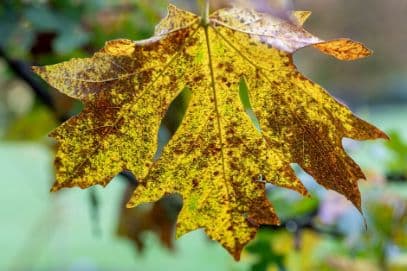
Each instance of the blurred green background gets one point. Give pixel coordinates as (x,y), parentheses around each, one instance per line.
(88,230)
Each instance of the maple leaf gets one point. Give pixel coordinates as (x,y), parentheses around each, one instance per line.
(216,156)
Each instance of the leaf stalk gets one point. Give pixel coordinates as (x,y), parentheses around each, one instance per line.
(205,15)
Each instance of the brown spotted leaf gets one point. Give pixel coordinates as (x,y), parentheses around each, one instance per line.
(217,160)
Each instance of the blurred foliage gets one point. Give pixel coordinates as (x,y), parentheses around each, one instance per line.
(22,128)
(397,165)
(51,31)
(264,252)
(315,244)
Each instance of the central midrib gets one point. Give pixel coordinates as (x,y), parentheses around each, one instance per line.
(210,66)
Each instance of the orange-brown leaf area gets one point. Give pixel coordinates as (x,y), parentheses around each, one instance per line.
(217,160)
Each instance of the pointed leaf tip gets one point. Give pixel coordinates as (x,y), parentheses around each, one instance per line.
(301,16)
(344,49)
(39,70)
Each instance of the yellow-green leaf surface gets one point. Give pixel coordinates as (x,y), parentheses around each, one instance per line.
(218,160)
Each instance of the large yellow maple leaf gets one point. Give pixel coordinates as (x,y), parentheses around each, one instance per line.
(216,156)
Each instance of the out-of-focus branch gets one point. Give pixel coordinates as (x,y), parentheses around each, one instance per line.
(298,224)
(24,72)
